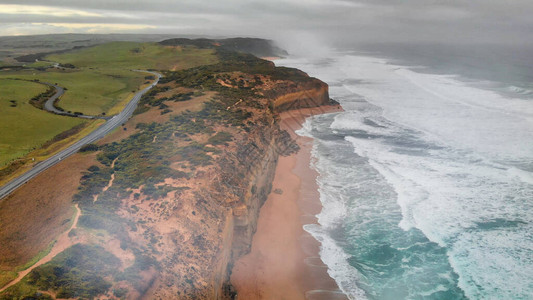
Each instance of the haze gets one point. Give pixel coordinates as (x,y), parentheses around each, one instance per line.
(338,21)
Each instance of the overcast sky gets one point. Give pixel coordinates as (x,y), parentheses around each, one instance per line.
(464,21)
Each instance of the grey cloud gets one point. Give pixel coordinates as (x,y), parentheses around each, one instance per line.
(461,21)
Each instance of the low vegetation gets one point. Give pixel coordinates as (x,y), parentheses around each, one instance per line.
(133,55)
(156,163)
(89,91)
(234,62)
(144,158)
(89,148)
(78,272)
(39,100)
(98,81)
(221,138)
(24,127)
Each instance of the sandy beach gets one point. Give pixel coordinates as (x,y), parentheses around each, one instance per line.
(284,261)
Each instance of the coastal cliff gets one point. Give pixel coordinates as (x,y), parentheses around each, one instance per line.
(239,184)
(171,200)
(303,97)
(225,205)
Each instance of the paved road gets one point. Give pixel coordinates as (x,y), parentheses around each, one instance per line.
(97,134)
(49,104)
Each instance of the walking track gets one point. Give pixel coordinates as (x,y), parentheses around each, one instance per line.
(63,242)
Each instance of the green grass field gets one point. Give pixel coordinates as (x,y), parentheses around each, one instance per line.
(103,78)
(24,127)
(91,92)
(101,82)
(131,55)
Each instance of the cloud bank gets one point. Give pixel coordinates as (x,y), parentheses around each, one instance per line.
(337,21)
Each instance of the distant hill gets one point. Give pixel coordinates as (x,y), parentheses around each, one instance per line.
(24,49)
(254,46)
(16,46)
(12,47)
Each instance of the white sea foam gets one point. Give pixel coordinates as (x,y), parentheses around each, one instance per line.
(448,191)
(525,176)
(335,258)
(332,214)
(445,107)
(306,129)
(456,157)
(353,120)
(519,90)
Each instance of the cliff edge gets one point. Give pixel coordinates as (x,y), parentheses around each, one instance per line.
(171,200)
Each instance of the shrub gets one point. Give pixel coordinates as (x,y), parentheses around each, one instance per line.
(221,138)
(89,148)
(76,272)
(120,292)
(94,168)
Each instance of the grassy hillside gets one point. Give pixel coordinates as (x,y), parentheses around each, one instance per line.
(101,77)
(15,46)
(92,92)
(131,55)
(98,80)
(23,126)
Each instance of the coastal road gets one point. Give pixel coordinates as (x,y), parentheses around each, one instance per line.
(97,134)
(49,104)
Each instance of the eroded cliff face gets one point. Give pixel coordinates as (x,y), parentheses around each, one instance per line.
(196,231)
(312,94)
(260,160)
(172,200)
(239,184)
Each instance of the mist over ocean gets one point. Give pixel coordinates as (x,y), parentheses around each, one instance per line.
(426,179)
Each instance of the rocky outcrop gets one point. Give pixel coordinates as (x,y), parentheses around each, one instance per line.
(311,95)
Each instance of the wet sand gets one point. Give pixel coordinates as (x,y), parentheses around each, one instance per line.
(284,261)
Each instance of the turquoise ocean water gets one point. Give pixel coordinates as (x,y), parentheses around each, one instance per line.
(426,179)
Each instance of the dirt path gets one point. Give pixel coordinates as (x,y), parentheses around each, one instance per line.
(110,183)
(63,242)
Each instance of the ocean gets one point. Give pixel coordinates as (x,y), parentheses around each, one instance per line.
(426,178)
